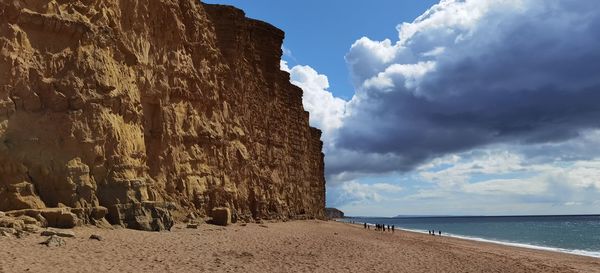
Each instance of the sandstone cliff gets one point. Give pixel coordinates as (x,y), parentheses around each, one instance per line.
(136,109)
(333,213)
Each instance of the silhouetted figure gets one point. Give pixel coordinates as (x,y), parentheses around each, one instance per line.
(365,225)
(429,231)
(440,233)
(393,227)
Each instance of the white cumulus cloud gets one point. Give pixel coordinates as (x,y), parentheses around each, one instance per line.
(326,110)
(471,73)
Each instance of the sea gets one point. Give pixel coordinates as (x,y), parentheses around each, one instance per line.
(575,234)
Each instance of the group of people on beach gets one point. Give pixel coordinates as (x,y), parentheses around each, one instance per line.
(392,228)
(381,227)
(432,232)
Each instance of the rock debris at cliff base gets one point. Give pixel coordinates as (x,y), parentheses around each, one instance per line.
(137,112)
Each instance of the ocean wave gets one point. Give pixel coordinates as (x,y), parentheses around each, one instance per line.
(595,254)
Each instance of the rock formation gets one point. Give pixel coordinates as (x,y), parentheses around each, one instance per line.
(333,213)
(136,110)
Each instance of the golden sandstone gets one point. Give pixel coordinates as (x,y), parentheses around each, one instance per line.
(140,112)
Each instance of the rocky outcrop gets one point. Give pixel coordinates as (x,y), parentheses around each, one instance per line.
(221,216)
(333,213)
(136,111)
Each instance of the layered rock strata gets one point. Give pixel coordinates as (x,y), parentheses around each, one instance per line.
(133,110)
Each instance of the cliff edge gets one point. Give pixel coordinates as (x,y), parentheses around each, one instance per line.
(138,111)
(333,213)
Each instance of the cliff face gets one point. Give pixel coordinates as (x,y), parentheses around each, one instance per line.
(333,213)
(148,108)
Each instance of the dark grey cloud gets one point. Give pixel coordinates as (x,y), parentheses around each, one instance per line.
(472,73)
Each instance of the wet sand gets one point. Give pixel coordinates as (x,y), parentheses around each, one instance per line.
(298,246)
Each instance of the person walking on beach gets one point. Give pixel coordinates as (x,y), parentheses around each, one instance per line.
(365,225)
(393,228)
(440,233)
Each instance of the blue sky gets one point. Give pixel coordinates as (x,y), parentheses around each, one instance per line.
(462,107)
(320,33)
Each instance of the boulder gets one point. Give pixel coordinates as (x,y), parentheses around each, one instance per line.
(96,237)
(58,232)
(31,228)
(148,216)
(91,215)
(221,216)
(47,217)
(60,218)
(7,232)
(9,222)
(54,241)
(191,217)
(28,220)
(42,222)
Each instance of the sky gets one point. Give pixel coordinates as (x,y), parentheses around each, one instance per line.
(456,107)
(319,33)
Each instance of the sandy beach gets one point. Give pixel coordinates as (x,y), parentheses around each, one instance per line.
(298,246)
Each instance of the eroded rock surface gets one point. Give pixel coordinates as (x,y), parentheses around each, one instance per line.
(131,110)
(333,213)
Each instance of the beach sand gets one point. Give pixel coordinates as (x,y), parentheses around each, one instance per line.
(297,246)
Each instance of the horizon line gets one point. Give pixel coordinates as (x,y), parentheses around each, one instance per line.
(432,216)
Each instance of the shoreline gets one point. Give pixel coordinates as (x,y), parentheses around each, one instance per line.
(578,252)
(294,246)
